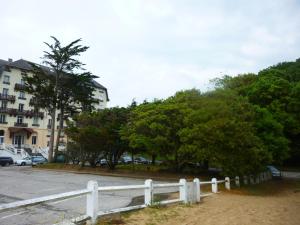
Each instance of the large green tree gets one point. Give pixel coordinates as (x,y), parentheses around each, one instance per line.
(221,131)
(276,90)
(59,85)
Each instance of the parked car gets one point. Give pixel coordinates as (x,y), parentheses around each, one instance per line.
(36,160)
(141,160)
(23,162)
(274,171)
(126,159)
(101,162)
(6,161)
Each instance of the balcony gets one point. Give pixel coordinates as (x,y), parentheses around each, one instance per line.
(20,87)
(21,124)
(10,98)
(26,113)
(4,110)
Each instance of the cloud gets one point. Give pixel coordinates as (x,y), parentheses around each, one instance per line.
(151,49)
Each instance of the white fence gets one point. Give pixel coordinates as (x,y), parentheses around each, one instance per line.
(189,192)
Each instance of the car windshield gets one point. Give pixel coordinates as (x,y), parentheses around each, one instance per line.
(37,158)
(273,169)
(127,158)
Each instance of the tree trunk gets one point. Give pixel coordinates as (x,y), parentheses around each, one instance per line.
(51,143)
(153,159)
(60,127)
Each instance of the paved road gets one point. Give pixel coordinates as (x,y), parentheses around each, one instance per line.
(18,183)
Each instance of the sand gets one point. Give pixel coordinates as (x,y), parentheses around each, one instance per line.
(226,208)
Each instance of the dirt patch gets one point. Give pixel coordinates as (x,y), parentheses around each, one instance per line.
(157,198)
(247,207)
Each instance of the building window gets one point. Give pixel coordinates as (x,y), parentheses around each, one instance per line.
(22,95)
(35,120)
(5,91)
(2,118)
(34,138)
(19,119)
(21,107)
(49,123)
(6,80)
(3,105)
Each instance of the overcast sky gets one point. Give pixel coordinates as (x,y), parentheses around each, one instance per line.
(147,49)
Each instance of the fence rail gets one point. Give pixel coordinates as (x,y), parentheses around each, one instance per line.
(188,192)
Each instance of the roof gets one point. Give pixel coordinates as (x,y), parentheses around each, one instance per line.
(25,65)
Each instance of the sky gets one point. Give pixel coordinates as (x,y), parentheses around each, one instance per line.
(146,49)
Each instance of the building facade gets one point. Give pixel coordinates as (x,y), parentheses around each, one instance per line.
(20,126)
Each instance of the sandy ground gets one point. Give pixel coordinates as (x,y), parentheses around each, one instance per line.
(226,208)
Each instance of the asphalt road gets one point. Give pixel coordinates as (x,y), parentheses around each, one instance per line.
(19,183)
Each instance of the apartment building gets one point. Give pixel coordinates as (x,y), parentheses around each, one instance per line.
(20,125)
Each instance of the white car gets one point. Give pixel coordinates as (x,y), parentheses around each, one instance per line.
(24,162)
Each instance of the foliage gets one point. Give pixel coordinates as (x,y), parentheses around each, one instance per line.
(276,90)
(60,85)
(221,131)
(97,135)
(244,124)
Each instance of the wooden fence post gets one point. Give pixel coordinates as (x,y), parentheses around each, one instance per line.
(197,189)
(92,200)
(148,192)
(227,183)
(237,181)
(214,185)
(183,191)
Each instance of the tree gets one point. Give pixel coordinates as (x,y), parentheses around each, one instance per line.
(154,127)
(98,135)
(50,85)
(275,89)
(147,129)
(221,131)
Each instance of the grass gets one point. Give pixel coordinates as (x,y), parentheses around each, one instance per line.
(142,167)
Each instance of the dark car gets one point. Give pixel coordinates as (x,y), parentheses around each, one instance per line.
(38,160)
(6,161)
